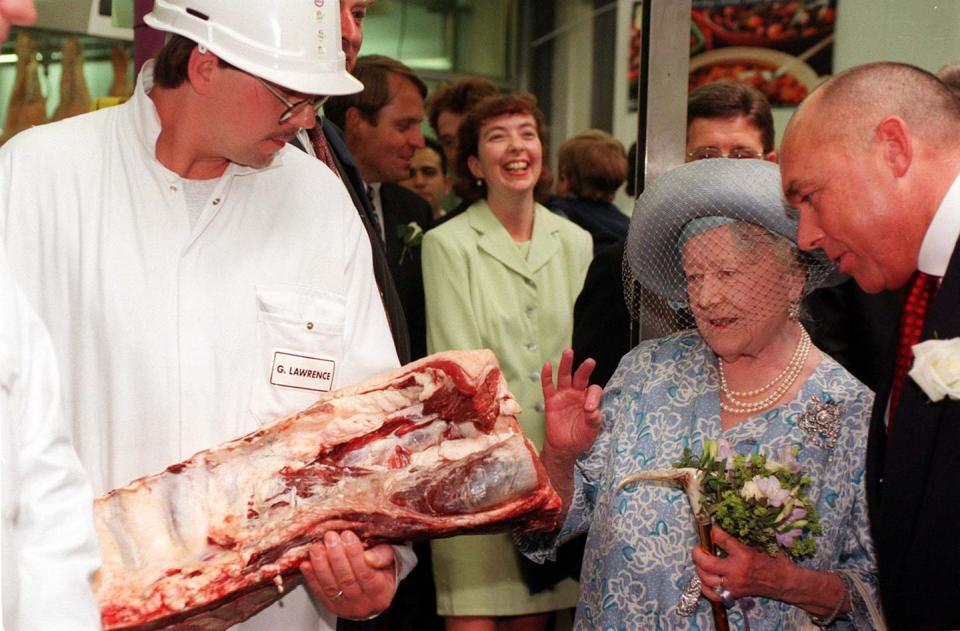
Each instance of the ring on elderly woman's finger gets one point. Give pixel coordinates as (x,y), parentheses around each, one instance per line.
(719,587)
(336,596)
(727,598)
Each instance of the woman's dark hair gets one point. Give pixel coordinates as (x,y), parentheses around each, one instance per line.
(469,136)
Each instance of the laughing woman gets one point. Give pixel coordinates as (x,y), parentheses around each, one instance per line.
(503,275)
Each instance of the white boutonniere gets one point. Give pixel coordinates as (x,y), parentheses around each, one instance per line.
(410,235)
(936,368)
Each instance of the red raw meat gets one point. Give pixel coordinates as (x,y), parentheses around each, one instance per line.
(430,450)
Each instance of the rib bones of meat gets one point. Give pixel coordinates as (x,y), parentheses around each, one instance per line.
(430,450)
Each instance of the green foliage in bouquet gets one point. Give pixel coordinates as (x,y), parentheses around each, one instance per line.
(761,502)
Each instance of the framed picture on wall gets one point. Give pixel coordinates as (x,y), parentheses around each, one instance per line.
(633,64)
(781,47)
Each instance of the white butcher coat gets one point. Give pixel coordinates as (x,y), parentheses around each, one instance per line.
(175,339)
(48,547)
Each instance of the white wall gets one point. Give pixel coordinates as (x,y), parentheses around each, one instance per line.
(572,72)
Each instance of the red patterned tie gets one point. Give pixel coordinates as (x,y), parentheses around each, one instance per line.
(922,290)
(321,148)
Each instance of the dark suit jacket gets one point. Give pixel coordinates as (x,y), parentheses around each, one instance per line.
(381,268)
(601,322)
(913,489)
(857,329)
(604,221)
(400,207)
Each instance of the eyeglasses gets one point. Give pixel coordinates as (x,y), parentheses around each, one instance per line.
(738,153)
(295,108)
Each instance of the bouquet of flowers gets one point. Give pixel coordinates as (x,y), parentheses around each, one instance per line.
(760,501)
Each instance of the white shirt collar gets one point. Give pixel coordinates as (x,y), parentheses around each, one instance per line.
(942,234)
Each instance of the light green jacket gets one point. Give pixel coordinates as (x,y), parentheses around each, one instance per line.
(482,293)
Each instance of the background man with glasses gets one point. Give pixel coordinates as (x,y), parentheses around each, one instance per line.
(178,249)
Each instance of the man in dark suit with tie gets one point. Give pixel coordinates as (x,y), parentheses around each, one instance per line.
(325,142)
(373,140)
(381,126)
(869,162)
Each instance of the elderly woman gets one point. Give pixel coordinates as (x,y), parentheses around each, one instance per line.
(714,240)
(503,275)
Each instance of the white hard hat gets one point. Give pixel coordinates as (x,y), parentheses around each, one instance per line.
(292,43)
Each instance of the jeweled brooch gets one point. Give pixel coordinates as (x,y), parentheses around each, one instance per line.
(821,422)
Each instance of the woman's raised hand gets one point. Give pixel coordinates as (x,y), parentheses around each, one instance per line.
(572,407)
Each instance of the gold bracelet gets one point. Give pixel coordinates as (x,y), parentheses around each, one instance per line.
(823,623)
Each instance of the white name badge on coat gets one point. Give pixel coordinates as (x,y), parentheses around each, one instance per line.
(302,372)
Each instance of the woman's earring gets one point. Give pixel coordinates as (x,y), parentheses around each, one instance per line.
(793,312)
(479,182)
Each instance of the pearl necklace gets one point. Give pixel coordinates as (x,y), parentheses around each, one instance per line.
(780,384)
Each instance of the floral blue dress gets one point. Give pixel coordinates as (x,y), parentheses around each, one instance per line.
(665,397)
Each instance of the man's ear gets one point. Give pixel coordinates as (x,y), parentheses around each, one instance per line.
(201,70)
(893,134)
(353,119)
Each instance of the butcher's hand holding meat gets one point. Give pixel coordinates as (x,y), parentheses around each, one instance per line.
(572,409)
(350,581)
(432,449)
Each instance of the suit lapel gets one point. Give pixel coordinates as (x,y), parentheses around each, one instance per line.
(544,243)
(348,168)
(913,432)
(494,239)
(496,242)
(391,219)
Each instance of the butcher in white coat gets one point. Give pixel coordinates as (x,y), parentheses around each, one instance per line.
(185,258)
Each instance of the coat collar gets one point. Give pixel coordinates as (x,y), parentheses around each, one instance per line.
(146,124)
(495,241)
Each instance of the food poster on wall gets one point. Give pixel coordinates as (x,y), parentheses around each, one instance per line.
(783,48)
(633,64)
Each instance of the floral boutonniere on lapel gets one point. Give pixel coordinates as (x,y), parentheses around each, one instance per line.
(411,236)
(936,368)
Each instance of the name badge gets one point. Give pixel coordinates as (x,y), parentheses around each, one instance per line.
(302,372)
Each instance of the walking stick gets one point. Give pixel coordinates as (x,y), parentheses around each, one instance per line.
(690,480)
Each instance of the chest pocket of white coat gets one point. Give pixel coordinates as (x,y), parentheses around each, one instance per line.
(299,348)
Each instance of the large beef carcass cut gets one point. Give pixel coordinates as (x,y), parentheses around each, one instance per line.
(429,450)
